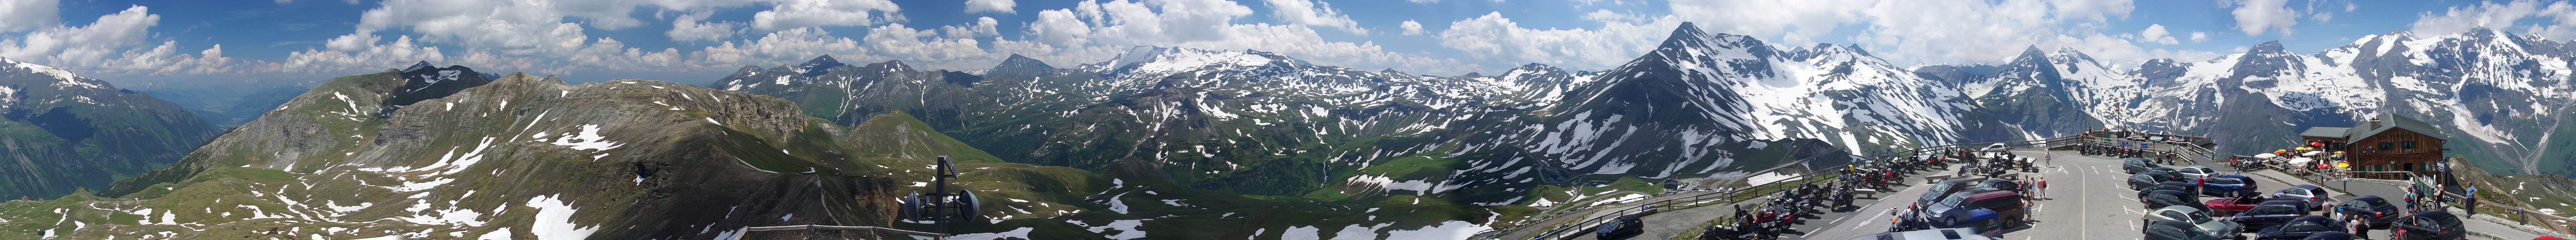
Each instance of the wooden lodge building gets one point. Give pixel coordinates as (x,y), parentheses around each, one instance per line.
(2388,142)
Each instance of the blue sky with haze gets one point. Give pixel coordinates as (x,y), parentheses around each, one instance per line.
(697,41)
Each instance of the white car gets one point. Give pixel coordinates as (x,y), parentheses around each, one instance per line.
(2195,172)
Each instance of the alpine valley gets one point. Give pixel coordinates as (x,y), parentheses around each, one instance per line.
(1170,143)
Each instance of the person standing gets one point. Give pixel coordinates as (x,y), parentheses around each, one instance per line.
(2471,197)
(2410,199)
(2040,184)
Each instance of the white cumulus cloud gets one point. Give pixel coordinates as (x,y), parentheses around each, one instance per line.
(2255,17)
(1929,31)
(21,15)
(1002,6)
(2156,33)
(1313,13)
(1412,28)
(2556,18)
(116,44)
(818,13)
(692,28)
(1506,43)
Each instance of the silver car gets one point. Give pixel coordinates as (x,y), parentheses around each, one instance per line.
(2315,196)
(2197,218)
(2195,172)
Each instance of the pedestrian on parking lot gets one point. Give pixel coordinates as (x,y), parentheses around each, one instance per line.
(2040,185)
(2410,199)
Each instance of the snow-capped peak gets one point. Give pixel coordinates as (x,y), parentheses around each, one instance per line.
(67,78)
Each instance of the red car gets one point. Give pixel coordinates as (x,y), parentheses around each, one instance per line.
(2231,206)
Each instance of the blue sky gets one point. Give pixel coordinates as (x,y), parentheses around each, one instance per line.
(697,41)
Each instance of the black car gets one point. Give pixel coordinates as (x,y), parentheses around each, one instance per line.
(2162,198)
(1621,226)
(2135,165)
(2143,180)
(2174,186)
(1944,189)
(2170,173)
(2370,209)
(2270,213)
(2300,228)
(2431,225)
(2332,236)
(2175,230)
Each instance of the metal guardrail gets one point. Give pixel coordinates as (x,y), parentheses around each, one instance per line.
(1696,200)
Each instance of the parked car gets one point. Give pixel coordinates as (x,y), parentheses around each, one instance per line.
(2007,205)
(2231,206)
(1931,234)
(2195,172)
(2300,228)
(1620,226)
(2135,165)
(2251,187)
(2162,198)
(2169,185)
(2270,213)
(2431,225)
(2198,219)
(2143,180)
(2332,236)
(2002,184)
(1945,188)
(2315,197)
(2175,230)
(2226,187)
(2370,209)
(2170,173)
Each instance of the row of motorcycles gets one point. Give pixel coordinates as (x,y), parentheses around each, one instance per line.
(2164,157)
(1773,217)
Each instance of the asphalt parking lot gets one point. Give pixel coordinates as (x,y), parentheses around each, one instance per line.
(2087,199)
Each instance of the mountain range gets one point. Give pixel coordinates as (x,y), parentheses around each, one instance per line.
(63,132)
(1180,143)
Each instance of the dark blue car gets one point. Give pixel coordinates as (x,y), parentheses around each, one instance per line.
(2300,228)
(2223,186)
(2270,213)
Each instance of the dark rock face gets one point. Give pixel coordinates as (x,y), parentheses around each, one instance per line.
(421,82)
(1022,66)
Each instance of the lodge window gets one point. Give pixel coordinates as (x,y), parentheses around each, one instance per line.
(2409,145)
(2386,146)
